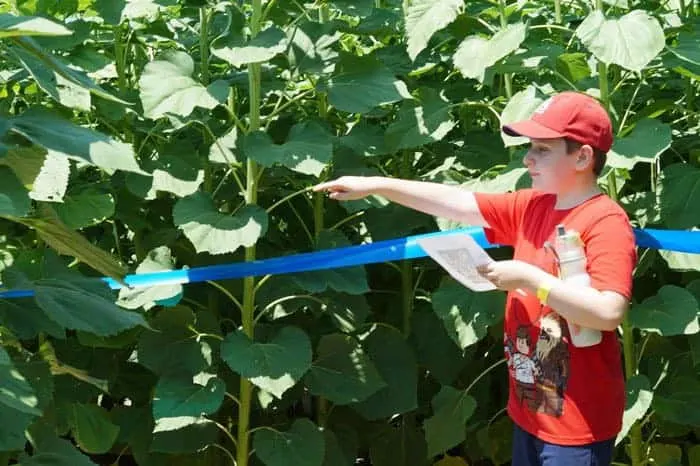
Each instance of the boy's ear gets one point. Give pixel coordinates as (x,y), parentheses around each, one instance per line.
(585,157)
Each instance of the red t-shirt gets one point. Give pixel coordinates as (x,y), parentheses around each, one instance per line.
(560,393)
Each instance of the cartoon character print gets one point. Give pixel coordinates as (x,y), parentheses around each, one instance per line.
(523,367)
(552,361)
(540,374)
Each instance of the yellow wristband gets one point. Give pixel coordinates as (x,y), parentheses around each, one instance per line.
(543,291)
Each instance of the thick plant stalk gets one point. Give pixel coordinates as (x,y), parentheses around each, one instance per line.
(507,77)
(204,44)
(319,220)
(635,432)
(251,196)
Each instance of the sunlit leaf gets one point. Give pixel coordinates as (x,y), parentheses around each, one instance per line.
(262,48)
(424,18)
(477,53)
(11,25)
(275,365)
(631,41)
(672,311)
(167,87)
(342,372)
(216,233)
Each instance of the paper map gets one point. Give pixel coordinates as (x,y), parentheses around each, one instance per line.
(459,254)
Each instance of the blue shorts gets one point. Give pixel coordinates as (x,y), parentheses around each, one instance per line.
(528,450)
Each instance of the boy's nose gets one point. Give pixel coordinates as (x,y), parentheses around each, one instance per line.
(527,160)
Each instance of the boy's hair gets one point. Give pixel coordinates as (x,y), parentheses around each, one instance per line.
(599,157)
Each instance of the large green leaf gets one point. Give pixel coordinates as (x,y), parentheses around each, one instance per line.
(54,451)
(400,443)
(11,26)
(12,429)
(172,348)
(183,434)
(447,426)
(76,142)
(83,304)
(475,54)
(341,447)
(672,311)
(158,260)
(302,445)
(419,122)
(14,198)
(631,41)
(177,396)
(92,428)
(26,320)
(15,390)
(238,52)
(675,403)
(216,233)
(85,208)
(466,314)
(519,107)
(363,84)
(312,46)
(52,181)
(276,365)
(639,397)
(348,312)
(396,364)
(342,371)
(434,348)
(167,87)
(66,241)
(680,195)
(221,151)
(309,148)
(647,142)
(424,18)
(116,11)
(365,139)
(69,73)
(61,89)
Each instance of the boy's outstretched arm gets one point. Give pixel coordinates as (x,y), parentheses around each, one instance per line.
(439,200)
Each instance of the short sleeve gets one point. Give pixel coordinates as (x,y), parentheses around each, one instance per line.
(611,254)
(503,213)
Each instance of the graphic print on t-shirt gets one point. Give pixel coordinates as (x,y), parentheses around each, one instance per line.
(540,370)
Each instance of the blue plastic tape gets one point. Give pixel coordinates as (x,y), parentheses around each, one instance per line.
(382,251)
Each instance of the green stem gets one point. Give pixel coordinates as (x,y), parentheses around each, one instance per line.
(557,11)
(120,59)
(508,77)
(635,432)
(407,295)
(204,44)
(319,220)
(251,195)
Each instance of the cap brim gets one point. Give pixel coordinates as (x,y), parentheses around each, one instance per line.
(531,129)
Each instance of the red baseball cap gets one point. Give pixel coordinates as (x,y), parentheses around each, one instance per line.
(570,115)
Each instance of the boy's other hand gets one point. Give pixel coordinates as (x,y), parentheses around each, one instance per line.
(349,188)
(510,275)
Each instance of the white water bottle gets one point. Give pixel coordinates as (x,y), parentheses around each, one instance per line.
(572,269)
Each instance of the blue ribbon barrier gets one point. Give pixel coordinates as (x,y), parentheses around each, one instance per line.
(381,251)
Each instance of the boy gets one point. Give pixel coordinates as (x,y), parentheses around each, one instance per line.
(576,410)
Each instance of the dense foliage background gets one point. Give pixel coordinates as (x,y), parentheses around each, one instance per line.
(148,135)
